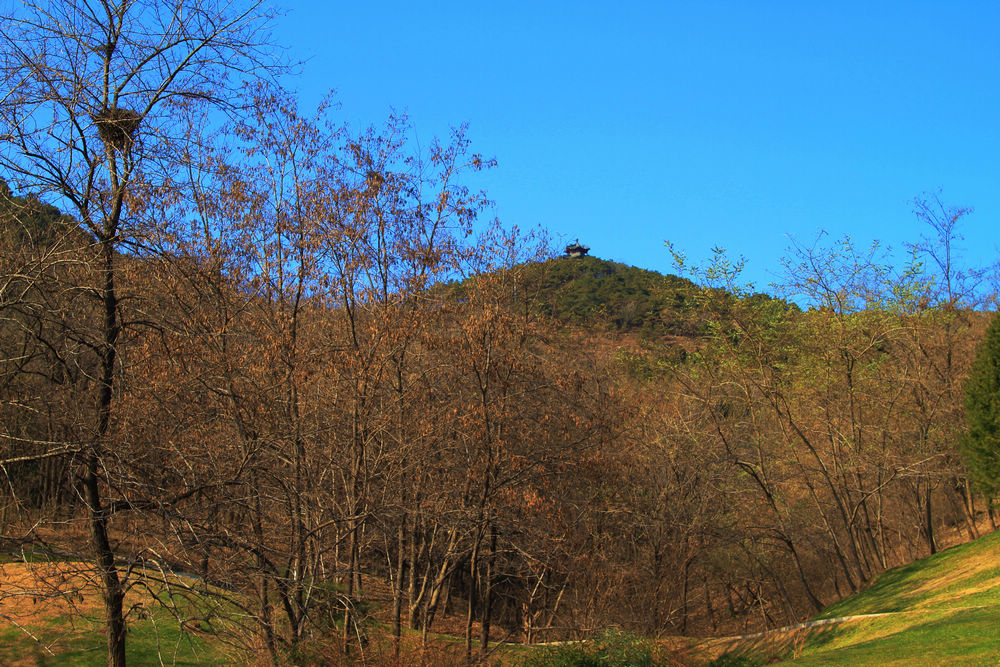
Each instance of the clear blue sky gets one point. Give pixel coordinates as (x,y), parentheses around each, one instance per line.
(708,123)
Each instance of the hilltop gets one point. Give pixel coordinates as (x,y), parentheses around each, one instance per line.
(597,292)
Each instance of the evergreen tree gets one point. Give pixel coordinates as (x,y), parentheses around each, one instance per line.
(981,444)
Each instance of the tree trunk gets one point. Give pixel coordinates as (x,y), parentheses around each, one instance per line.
(969,508)
(708,605)
(264,589)
(111,586)
(929,520)
(473,566)
(486,603)
(413,595)
(397,588)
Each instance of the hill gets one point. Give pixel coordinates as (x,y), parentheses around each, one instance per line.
(944,609)
(26,220)
(590,291)
(602,295)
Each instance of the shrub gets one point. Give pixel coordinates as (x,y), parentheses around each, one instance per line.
(613,648)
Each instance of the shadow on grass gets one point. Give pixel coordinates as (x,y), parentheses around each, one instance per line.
(893,590)
(966,635)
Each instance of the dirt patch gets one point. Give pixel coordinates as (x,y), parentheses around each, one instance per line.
(47,603)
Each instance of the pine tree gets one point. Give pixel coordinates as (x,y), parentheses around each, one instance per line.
(981,442)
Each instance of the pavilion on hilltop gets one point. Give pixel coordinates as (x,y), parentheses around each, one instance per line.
(576,250)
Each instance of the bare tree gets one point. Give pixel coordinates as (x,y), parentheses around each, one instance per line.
(101,95)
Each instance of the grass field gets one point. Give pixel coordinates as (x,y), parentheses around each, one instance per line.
(942,610)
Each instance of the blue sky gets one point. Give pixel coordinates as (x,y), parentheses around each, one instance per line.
(732,124)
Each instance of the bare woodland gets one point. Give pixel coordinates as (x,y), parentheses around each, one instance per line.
(300,364)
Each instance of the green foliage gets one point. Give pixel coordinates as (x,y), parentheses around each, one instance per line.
(593,292)
(981,442)
(602,295)
(613,648)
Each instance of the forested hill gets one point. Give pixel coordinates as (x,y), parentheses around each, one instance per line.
(599,294)
(595,292)
(26,220)
(581,291)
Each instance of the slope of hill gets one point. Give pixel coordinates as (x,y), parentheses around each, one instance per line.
(26,219)
(944,609)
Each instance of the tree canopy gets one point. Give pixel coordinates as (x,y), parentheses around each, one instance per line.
(982,412)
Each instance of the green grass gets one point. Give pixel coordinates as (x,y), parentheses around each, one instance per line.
(81,642)
(961,637)
(942,610)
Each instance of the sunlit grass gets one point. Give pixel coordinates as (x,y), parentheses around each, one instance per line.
(942,610)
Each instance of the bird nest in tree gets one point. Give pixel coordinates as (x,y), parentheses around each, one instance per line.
(374,180)
(117,126)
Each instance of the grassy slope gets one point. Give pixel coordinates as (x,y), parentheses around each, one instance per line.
(942,610)
(74,641)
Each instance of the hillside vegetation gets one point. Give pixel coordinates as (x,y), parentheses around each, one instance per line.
(300,363)
(550,447)
(593,292)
